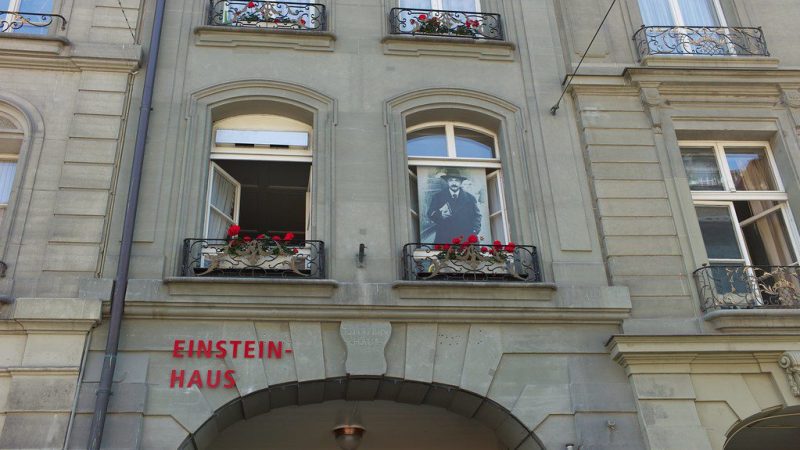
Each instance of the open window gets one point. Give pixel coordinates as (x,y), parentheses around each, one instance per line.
(744,217)
(11,138)
(260,177)
(448,5)
(25,16)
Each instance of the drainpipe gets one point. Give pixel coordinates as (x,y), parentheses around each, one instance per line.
(121,280)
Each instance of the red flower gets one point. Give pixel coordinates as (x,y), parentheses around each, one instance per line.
(484,250)
(277,20)
(422,17)
(294,250)
(497,245)
(251,5)
(510,247)
(234,243)
(289,236)
(446,247)
(234,230)
(261,236)
(456,240)
(276,238)
(437,247)
(302,21)
(247,239)
(472,239)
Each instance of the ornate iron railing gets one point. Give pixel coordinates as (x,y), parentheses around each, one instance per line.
(256,258)
(471,262)
(434,22)
(11,21)
(711,41)
(266,14)
(748,287)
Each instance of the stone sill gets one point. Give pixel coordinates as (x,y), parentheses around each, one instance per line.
(711,62)
(755,320)
(473,290)
(411,45)
(33,43)
(251,287)
(222,36)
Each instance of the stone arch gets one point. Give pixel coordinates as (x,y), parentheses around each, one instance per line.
(507,427)
(776,429)
(247,97)
(24,116)
(519,164)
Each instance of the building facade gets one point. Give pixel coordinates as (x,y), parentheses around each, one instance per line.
(371,212)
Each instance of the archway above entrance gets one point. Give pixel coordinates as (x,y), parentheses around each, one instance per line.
(375,395)
(774,430)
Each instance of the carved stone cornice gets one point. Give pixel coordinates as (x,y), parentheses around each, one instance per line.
(790,363)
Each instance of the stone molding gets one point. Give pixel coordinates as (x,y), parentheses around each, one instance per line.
(790,362)
(222,36)
(767,321)
(46,315)
(59,53)
(404,45)
(722,62)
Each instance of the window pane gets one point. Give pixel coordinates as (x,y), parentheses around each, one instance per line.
(698,13)
(459,5)
(7,171)
(424,4)
(427,142)
(750,169)
(732,279)
(414,193)
(498,228)
(223,194)
(701,169)
(656,12)
(768,242)
(494,195)
(718,232)
(36,6)
(472,144)
(4,5)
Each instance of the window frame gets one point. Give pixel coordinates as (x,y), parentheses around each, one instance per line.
(437,5)
(677,14)
(14,9)
(729,195)
(493,165)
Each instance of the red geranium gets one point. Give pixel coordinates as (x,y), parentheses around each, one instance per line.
(422,17)
(446,247)
(484,249)
(234,230)
(276,238)
(289,236)
(510,247)
(472,239)
(302,21)
(294,250)
(456,241)
(497,245)
(251,5)
(261,236)
(247,239)
(437,247)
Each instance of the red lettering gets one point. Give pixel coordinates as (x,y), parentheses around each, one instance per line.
(204,349)
(260,349)
(249,347)
(229,378)
(191,347)
(176,376)
(278,350)
(235,345)
(215,382)
(221,352)
(177,348)
(195,379)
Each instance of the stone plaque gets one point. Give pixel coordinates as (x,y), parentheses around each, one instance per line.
(365,341)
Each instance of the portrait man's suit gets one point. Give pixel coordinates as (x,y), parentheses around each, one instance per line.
(464,219)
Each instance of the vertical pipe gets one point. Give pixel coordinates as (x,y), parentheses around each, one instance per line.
(121,280)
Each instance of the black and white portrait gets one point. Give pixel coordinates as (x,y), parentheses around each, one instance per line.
(453,203)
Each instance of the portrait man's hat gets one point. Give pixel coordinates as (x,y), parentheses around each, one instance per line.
(452,172)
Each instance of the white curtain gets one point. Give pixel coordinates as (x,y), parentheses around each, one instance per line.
(7,171)
(698,13)
(421,4)
(460,5)
(656,12)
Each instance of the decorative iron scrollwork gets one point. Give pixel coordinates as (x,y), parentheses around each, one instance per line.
(471,262)
(748,287)
(712,41)
(256,258)
(433,22)
(267,14)
(18,20)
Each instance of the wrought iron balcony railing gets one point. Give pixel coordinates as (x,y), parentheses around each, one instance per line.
(30,23)
(433,22)
(471,262)
(708,41)
(256,258)
(267,14)
(748,287)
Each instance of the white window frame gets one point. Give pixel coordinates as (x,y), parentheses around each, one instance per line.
(452,160)
(439,5)
(729,194)
(14,9)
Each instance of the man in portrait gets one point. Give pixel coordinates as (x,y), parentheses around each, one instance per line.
(453,210)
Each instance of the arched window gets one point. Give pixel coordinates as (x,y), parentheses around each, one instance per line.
(259,176)
(11,137)
(456,183)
